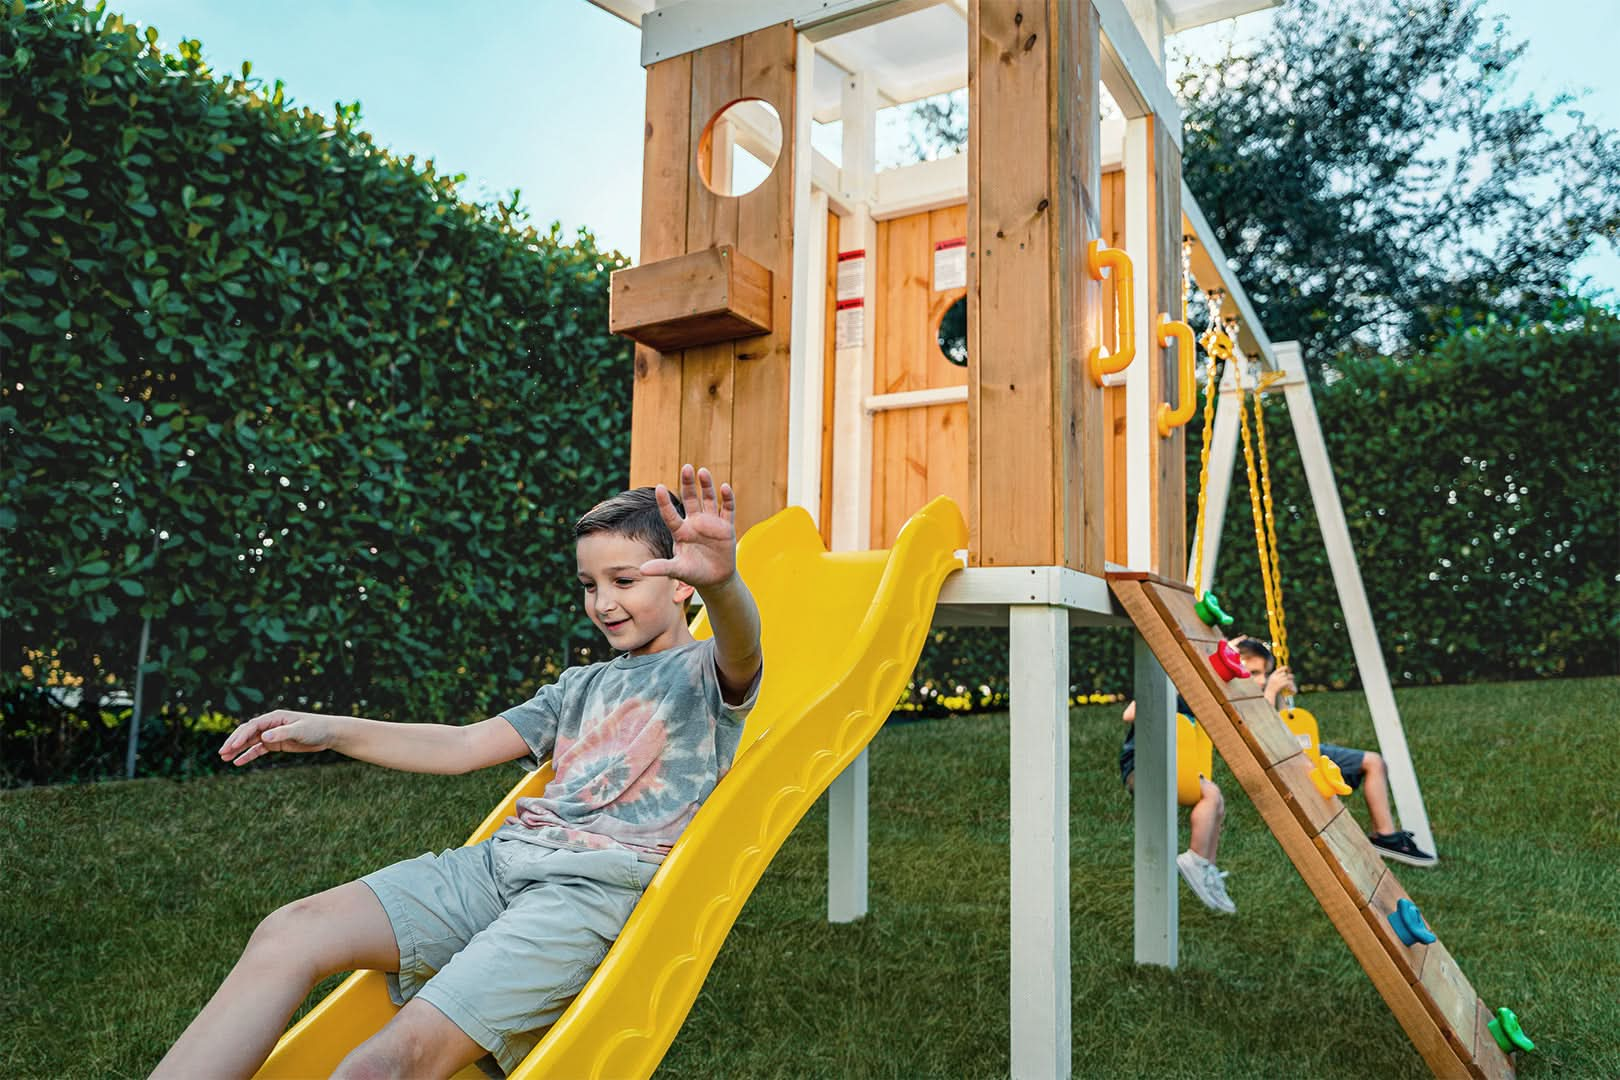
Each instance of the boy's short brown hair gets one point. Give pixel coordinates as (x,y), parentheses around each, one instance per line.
(1255,647)
(633,514)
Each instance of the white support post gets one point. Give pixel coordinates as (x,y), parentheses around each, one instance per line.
(1156,896)
(1222,459)
(1038,681)
(809,300)
(1140,428)
(1358,619)
(852,482)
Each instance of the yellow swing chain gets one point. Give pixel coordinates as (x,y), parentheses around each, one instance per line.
(1279,632)
(1210,388)
(1259,514)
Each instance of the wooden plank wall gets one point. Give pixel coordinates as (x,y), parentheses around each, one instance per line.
(1036,422)
(725,405)
(917,453)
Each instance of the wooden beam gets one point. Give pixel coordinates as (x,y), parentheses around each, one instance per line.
(655,425)
(762,376)
(1035,419)
(699,298)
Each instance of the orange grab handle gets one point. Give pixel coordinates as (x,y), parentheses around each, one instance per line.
(1173,332)
(1098,258)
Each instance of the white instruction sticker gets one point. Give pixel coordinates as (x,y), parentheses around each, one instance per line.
(950,264)
(851,275)
(849,324)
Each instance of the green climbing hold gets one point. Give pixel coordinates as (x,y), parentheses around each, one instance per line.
(1508,1034)
(1209,610)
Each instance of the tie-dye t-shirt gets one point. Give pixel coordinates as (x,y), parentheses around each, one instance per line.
(638,743)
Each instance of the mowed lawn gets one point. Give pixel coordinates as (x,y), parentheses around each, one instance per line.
(126,903)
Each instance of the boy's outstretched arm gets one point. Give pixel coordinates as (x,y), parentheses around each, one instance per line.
(423,748)
(706,558)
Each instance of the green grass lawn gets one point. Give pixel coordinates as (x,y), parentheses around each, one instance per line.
(126,903)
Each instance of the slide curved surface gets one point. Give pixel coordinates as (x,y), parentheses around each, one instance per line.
(842,633)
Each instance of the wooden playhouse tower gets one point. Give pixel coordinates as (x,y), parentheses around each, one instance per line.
(789,337)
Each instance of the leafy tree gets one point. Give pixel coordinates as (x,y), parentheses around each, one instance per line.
(1375,178)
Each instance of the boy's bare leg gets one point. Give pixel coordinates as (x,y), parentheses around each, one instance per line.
(420,1041)
(294,947)
(1205,819)
(1375,786)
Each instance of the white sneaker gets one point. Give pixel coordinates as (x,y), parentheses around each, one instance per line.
(1206,881)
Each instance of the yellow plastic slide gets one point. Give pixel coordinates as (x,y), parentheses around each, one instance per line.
(842,633)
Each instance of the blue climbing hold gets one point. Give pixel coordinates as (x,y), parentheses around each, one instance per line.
(1409,925)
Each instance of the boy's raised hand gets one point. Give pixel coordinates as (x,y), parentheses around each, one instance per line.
(291,732)
(705,539)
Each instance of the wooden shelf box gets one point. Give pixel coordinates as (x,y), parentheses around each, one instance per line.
(700,298)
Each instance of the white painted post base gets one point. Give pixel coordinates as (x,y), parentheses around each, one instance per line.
(846,843)
(1039,687)
(1156,893)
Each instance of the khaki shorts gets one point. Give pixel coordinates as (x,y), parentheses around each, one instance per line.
(501,935)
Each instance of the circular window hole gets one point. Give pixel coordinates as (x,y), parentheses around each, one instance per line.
(952,334)
(739,147)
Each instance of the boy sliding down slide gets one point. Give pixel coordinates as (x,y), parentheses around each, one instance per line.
(485,946)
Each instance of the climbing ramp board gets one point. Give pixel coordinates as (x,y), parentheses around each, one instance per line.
(841,633)
(1421,984)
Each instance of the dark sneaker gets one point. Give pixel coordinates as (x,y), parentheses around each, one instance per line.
(1399,846)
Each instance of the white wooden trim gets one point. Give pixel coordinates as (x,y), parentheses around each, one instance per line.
(806,351)
(852,424)
(1154,882)
(1038,681)
(848,810)
(927,185)
(1058,586)
(1358,620)
(1222,460)
(1140,429)
(691,24)
(916,399)
(1130,72)
(847,860)
(1190,18)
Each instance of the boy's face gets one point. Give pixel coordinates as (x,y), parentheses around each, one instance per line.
(637,614)
(1256,666)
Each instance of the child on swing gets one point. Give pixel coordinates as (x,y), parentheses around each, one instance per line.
(1362,769)
(1197,864)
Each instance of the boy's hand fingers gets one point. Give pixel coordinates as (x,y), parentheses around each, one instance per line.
(658,568)
(689,488)
(666,507)
(248,733)
(728,503)
(707,501)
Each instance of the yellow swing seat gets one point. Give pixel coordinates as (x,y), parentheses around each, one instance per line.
(1195,757)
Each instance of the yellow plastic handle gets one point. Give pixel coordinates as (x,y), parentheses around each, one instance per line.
(1174,332)
(1098,258)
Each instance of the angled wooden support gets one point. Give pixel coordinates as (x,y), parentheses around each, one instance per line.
(1422,985)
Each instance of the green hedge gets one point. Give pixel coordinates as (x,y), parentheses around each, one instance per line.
(1481,485)
(286,397)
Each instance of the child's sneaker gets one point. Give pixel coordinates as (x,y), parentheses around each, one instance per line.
(1399,846)
(1206,882)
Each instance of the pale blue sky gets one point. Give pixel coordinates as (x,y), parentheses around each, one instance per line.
(548,95)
